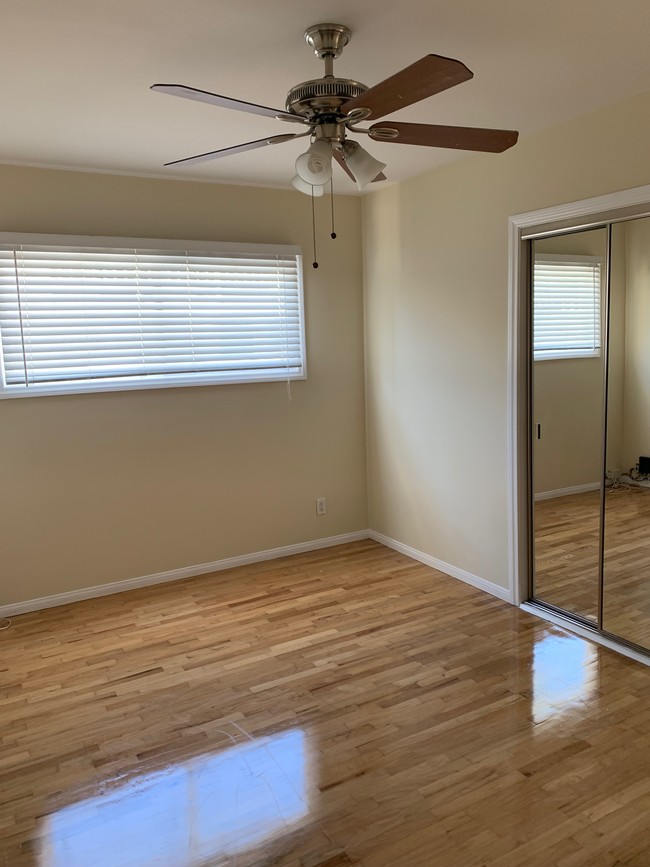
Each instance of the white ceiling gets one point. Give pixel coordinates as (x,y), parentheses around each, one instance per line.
(76,74)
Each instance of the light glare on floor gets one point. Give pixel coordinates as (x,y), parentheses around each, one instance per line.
(210,806)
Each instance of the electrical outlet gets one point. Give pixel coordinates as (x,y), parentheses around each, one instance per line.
(321,506)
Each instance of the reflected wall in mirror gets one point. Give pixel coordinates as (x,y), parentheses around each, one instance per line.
(626,556)
(568,304)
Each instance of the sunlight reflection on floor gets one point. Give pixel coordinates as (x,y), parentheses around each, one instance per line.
(563,674)
(211,806)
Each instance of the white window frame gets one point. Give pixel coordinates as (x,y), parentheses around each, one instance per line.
(572,353)
(170,380)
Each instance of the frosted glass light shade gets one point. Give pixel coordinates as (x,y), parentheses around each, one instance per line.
(315,165)
(363,166)
(307,189)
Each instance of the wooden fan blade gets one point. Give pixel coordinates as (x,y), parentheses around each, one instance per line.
(432,74)
(465,138)
(223,101)
(237,149)
(338,156)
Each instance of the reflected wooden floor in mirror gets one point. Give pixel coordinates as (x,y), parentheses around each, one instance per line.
(566,558)
(567,538)
(344,707)
(627,564)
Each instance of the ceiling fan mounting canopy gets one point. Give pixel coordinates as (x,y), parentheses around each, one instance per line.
(331,107)
(328,40)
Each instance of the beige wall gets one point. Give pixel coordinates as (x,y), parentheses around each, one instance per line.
(568,396)
(436,284)
(105,487)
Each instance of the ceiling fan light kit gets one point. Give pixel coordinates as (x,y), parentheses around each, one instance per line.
(306,188)
(315,165)
(363,165)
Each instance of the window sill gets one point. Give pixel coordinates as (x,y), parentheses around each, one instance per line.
(181,381)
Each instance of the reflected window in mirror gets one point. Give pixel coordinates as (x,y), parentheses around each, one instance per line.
(567,305)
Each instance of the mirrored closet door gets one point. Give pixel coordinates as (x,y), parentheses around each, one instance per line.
(590,426)
(626,542)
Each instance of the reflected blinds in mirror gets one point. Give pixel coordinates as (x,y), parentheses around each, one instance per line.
(567,300)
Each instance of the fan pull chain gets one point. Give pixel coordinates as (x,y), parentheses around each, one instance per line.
(333,233)
(314,264)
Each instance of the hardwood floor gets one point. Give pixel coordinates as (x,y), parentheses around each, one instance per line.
(567,538)
(343,707)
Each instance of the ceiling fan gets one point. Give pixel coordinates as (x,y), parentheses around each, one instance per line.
(332,107)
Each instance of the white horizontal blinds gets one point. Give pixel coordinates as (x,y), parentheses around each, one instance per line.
(70,314)
(566,306)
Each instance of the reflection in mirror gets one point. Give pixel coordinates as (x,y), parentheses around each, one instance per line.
(568,407)
(626,557)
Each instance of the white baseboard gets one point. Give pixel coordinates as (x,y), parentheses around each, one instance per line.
(480,583)
(258,556)
(566,492)
(177,574)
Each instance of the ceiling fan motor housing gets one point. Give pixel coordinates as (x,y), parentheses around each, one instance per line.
(322,96)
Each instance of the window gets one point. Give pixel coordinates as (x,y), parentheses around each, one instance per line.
(98,314)
(566,306)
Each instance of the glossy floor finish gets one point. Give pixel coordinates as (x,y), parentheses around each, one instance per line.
(344,707)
